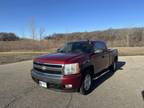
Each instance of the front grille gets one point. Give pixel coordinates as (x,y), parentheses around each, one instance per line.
(48,68)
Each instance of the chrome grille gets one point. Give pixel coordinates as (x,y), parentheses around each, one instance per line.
(48,68)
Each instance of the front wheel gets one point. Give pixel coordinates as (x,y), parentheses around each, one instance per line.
(86,84)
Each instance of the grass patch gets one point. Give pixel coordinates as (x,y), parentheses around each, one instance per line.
(16,56)
(11,58)
(130,51)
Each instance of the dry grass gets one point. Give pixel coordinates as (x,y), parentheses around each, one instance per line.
(29,53)
(16,57)
(24,45)
(130,51)
(11,57)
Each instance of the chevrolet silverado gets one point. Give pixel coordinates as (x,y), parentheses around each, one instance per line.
(73,66)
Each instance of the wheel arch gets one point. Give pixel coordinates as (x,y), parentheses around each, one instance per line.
(116,58)
(88,68)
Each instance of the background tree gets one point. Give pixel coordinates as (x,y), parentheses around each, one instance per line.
(41,36)
(32,27)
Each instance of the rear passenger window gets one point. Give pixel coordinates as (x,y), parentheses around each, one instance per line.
(100,45)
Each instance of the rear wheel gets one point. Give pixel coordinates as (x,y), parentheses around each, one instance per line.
(86,84)
(113,67)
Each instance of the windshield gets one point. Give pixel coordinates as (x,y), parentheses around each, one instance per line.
(77,47)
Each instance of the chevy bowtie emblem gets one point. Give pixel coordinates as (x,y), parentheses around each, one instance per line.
(43,68)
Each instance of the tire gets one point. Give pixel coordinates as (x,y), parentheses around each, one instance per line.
(86,84)
(113,67)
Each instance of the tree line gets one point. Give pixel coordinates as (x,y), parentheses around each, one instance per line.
(129,37)
(8,37)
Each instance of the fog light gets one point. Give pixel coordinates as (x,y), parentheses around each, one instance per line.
(68,86)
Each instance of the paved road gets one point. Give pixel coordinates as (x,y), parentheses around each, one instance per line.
(119,90)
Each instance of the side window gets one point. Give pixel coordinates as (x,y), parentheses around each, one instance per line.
(100,45)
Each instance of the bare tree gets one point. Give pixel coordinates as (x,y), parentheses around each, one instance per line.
(32,27)
(41,33)
(33,31)
(128,40)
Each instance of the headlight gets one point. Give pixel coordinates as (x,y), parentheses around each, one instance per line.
(71,68)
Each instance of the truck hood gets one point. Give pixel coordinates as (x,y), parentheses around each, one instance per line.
(61,58)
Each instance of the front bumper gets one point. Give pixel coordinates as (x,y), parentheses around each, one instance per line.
(57,81)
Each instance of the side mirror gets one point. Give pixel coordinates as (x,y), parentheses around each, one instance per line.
(59,50)
(98,51)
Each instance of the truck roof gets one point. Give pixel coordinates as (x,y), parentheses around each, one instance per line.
(85,41)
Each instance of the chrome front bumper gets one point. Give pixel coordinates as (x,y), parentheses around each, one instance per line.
(49,78)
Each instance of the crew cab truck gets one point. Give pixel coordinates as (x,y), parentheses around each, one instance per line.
(73,66)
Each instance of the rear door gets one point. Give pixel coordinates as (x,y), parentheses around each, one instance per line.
(101,59)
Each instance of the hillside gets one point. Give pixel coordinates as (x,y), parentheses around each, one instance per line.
(129,37)
(129,42)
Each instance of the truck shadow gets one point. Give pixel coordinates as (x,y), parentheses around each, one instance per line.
(98,80)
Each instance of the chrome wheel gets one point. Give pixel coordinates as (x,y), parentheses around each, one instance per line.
(87,82)
(114,66)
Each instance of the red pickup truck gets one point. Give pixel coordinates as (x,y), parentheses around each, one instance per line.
(74,65)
